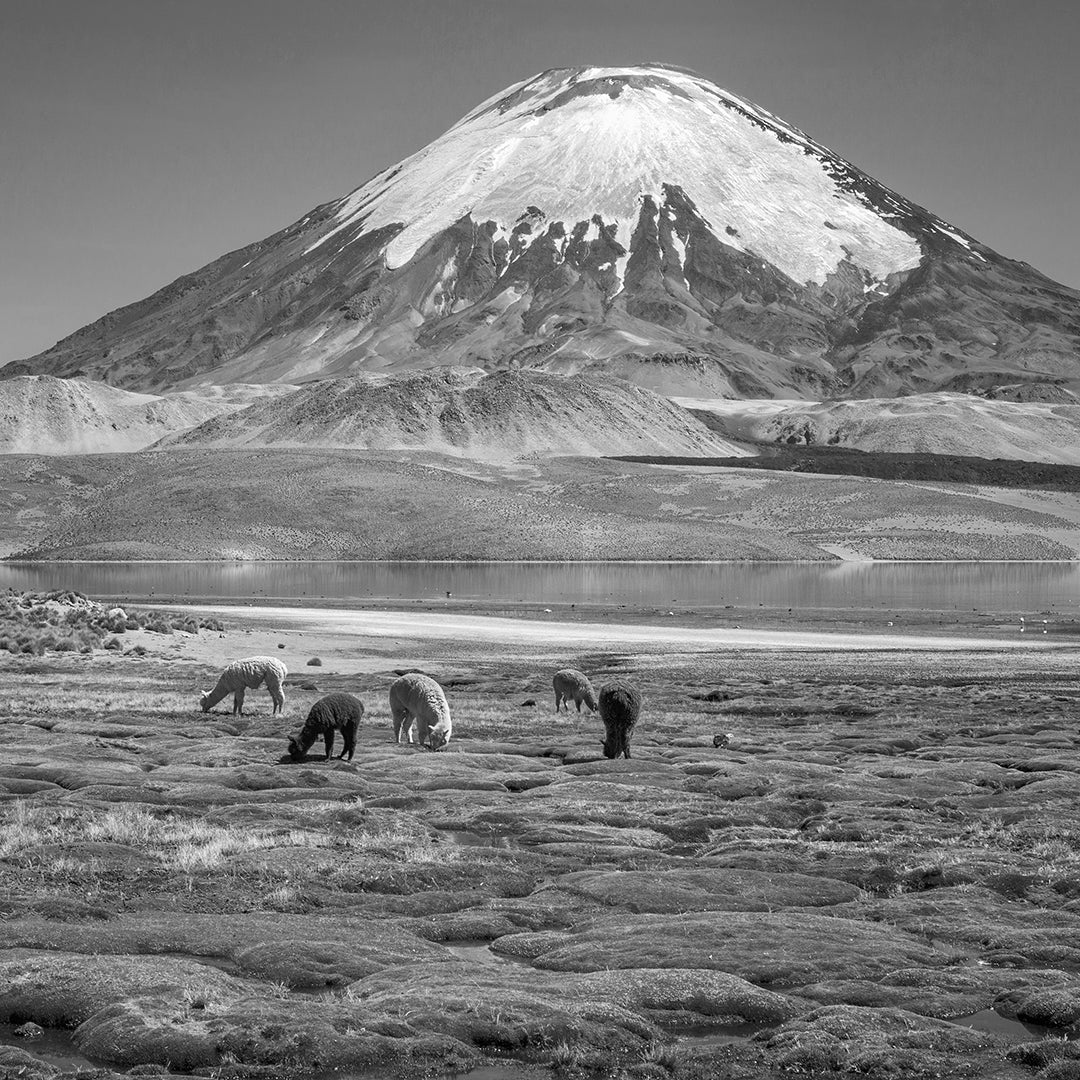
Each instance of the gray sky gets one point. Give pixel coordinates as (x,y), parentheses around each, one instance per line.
(140,139)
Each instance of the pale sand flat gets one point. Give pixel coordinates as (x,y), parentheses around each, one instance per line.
(328,622)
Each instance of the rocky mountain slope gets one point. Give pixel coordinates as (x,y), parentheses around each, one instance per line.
(639,220)
(501,416)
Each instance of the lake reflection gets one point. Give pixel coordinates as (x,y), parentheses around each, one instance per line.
(1021,587)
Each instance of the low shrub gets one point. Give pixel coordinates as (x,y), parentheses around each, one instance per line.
(32,624)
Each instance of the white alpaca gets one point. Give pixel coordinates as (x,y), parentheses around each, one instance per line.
(248,674)
(572,685)
(416,699)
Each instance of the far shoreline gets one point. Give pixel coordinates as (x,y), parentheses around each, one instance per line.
(13,561)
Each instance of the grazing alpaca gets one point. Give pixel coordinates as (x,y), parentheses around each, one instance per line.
(420,700)
(248,674)
(620,706)
(329,714)
(571,685)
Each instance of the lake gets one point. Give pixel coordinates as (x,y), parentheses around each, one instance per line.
(1005,587)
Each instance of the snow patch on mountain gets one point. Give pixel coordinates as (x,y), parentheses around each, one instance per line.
(579,143)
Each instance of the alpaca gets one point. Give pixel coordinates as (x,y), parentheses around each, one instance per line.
(327,715)
(620,706)
(248,674)
(571,685)
(418,699)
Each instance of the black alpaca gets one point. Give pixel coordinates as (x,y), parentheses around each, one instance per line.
(620,706)
(328,714)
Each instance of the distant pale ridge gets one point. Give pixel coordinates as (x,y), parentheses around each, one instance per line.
(43,415)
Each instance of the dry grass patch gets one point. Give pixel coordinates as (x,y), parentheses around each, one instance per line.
(191,845)
(186,845)
(60,690)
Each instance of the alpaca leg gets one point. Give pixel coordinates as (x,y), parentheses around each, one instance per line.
(577,702)
(348,735)
(557,700)
(273,684)
(399,716)
(328,742)
(238,702)
(423,730)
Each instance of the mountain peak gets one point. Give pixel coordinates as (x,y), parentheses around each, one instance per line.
(585,143)
(638,220)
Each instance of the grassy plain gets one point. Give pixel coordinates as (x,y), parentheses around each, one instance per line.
(339,504)
(879,874)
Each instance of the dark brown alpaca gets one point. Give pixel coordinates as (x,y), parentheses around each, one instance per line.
(329,714)
(620,706)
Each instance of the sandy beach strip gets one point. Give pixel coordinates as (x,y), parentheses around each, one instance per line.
(436,626)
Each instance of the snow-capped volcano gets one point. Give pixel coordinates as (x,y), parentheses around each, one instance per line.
(636,219)
(585,148)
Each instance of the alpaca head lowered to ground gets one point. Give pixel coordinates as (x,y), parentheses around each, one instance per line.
(437,738)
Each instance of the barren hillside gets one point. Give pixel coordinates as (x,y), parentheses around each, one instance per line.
(502,416)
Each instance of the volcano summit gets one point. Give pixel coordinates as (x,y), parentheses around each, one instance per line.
(638,221)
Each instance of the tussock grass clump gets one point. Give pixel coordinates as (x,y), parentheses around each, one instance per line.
(665,1055)
(564,1056)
